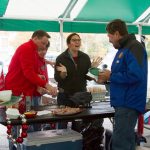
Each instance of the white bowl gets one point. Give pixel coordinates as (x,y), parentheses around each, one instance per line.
(5,95)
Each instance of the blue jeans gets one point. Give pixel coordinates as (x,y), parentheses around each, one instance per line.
(36,101)
(123,134)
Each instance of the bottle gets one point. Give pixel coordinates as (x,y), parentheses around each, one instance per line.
(69,125)
(2,113)
(28,103)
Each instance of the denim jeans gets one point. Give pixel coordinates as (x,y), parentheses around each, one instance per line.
(123,134)
(36,101)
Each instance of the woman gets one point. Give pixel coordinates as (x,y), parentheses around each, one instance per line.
(71,68)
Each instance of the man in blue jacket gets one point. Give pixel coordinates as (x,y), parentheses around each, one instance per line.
(128,84)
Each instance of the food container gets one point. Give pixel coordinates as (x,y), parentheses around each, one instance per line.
(12,113)
(96,97)
(98,93)
(30,114)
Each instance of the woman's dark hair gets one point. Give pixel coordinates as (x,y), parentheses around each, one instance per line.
(70,37)
(40,34)
(117,25)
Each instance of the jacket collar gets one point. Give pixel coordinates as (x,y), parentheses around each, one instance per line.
(33,44)
(66,53)
(126,39)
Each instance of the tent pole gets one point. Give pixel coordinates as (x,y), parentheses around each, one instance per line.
(142,37)
(61,35)
(140,31)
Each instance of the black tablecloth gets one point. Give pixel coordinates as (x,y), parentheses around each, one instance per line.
(98,110)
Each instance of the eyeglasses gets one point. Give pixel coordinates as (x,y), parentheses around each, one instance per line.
(76,40)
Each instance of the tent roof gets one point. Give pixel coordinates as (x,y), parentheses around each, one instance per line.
(106,10)
(87,16)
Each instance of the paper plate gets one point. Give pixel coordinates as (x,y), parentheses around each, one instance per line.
(66,111)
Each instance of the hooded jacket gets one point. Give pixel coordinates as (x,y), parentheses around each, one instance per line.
(128,80)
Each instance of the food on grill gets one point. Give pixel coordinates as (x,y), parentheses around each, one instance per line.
(66,111)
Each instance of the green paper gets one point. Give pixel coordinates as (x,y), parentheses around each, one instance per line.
(94,71)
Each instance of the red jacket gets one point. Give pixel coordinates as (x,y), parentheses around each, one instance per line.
(22,76)
(42,70)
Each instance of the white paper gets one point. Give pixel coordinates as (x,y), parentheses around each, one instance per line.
(44,112)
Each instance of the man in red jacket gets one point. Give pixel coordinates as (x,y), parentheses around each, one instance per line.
(23,76)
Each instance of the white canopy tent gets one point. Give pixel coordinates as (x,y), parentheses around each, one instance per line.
(86,16)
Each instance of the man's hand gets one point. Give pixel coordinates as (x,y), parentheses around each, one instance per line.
(42,77)
(51,90)
(96,62)
(42,90)
(104,76)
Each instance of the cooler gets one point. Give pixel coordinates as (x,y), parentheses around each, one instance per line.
(53,139)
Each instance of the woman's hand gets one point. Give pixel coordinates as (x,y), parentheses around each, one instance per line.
(63,70)
(96,62)
(50,63)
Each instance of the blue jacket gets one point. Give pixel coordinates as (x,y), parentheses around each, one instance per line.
(128,80)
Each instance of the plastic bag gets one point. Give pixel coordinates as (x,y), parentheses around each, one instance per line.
(146,117)
(81,98)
